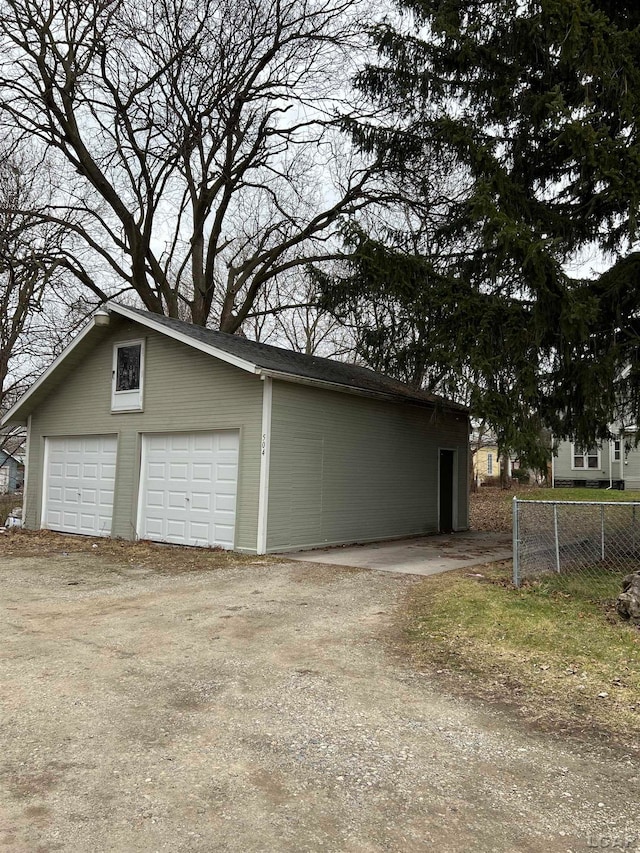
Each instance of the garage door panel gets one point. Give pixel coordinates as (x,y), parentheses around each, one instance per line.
(201,472)
(155,499)
(227,441)
(177,527)
(226,473)
(179,443)
(224,503)
(199,531)
(200,501)
(79,484)
(154,527)
(204,441)
(177,500)
(178,472)
(193,472)
(157,471)
(224,535)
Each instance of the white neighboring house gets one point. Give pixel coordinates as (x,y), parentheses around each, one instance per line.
(613,464)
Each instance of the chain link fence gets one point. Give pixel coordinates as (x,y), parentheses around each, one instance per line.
(596,539)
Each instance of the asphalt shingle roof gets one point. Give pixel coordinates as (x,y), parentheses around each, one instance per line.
(297,364)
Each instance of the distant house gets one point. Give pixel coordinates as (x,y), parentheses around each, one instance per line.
(11,473)
(610,464)
(486,463)
(147,427)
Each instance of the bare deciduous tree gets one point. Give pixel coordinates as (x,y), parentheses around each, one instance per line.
(290,314)
(197,140)
(26,265)
(33,321)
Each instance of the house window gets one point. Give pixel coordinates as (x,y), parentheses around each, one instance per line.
(616,450)
(128,368)
(589,458)
(489,464)
(127,378)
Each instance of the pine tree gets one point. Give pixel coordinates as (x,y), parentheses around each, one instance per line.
(537,106)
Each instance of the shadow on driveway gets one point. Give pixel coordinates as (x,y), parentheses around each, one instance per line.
(419,555)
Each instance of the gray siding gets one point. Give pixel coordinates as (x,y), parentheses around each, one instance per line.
(184,390)
(631,468)
(345,468)
(627,468)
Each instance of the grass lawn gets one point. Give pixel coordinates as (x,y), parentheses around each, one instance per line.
(578,495)
(491,508)
(562,655)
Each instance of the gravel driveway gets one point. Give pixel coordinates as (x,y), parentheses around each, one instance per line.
(262,708)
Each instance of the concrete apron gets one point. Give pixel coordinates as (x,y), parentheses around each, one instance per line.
(420,555)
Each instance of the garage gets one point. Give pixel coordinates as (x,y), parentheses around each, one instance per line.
(228,442)
(188,488)
(79,484)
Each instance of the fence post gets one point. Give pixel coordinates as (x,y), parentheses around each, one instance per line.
(516,544)
(555,533)
(602,549)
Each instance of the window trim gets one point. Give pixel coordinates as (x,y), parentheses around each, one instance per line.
(489,464)
(132,400)
(575,451)
(617,451)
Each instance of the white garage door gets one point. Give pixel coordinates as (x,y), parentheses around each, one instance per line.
(79,479)
(188,488)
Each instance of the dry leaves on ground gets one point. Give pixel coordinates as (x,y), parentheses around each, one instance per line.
(158,557)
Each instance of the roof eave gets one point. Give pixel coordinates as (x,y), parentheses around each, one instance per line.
(359,392)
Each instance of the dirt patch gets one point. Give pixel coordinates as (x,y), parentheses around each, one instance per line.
(156,557)
(257,707)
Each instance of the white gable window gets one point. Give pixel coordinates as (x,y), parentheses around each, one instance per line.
(127,378)
(589,458)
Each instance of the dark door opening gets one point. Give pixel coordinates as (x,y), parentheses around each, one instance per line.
(446,491)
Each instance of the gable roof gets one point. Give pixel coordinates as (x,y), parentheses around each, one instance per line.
(283,363)
(252,356)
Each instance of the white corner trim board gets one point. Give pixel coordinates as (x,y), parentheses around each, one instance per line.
(25,482)
(265,453)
